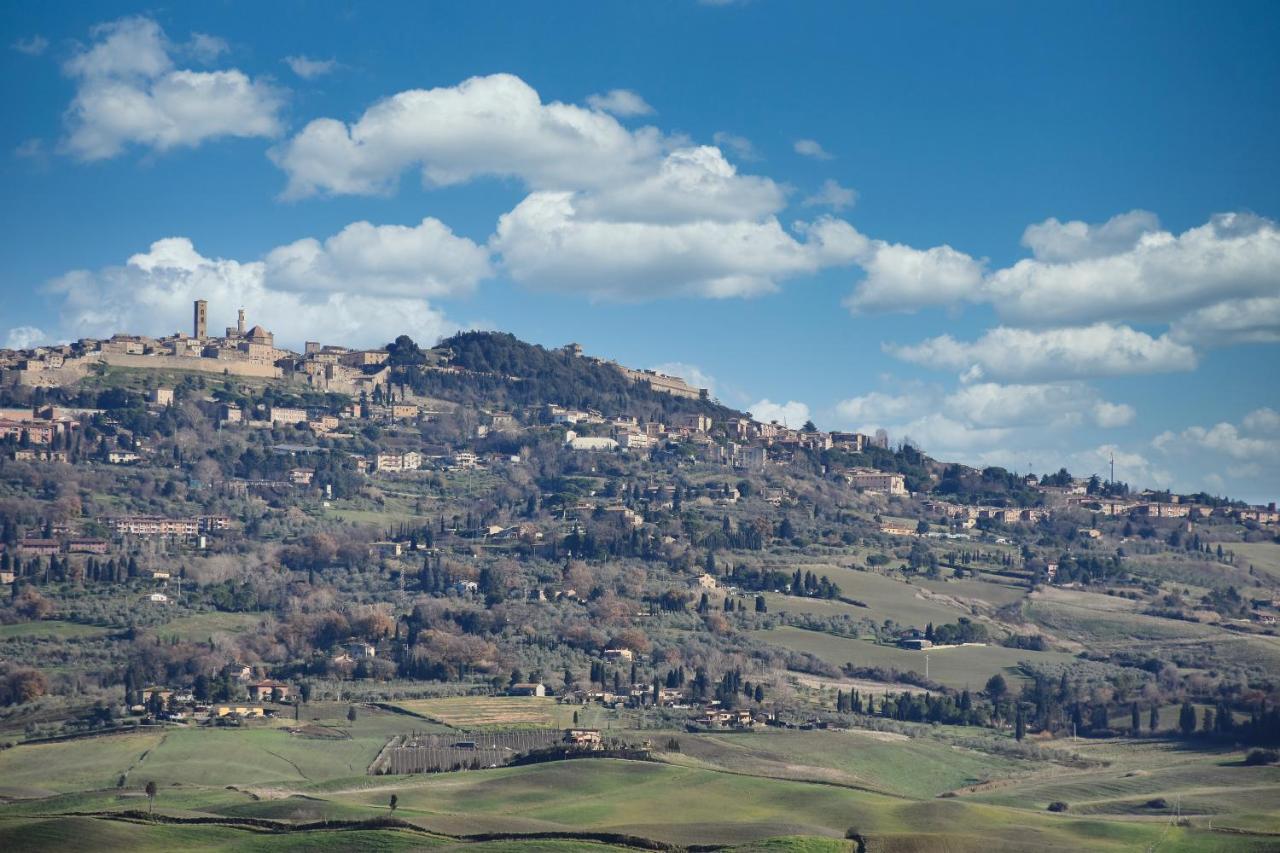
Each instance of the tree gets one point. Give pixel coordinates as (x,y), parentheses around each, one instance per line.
(395,801)
(351,714)
(1135,718)
(1019,724)
(1153,721)
(305,691)
(1187,719)
(996,687)
(151,796)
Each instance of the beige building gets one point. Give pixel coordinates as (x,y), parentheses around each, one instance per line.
(877,481)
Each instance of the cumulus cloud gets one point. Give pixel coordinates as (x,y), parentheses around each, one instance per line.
(427,260)
(129,92)
(1108,415)
(32,45)
(309,69)
(990,404)
(1060,242)
(546,243)
(1264,420)
(878,408)
(387,272)
(24,337)
(1222,438)
(1217,284)
(1235,321)
(742,148)
(621,102)
(791,413)
(485,126)
(811,148)
(902,278)
(1070,353)
(832,195)
(1159,277)
(205,48)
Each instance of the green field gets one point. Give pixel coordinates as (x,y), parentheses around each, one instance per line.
(894,764)
(52,628)
(1263,556)
(958,667)
(722,789)
(202,626)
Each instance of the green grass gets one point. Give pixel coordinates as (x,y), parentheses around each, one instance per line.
(916,767)
(52,628)
(1263,556)
(202,626)
(717,802)
(959,667)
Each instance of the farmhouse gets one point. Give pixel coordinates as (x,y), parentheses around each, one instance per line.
(268,690)
(527,689)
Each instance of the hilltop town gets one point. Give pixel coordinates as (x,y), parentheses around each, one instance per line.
(489,553)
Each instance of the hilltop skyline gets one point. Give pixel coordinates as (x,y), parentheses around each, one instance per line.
(1011,252)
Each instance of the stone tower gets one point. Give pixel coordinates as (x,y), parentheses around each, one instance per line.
(201,319)
(240,323)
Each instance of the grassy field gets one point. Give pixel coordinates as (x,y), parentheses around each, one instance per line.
(1263,556)
(202,626)
(895,764)
(52,628)
(962,666)
(726,789)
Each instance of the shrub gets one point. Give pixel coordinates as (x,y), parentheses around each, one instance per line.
(1259,757)
(1058,806)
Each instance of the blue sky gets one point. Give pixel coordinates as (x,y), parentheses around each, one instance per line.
(1018,234)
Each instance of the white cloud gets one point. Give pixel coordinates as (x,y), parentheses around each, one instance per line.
(427,260)
(309,69)
(1108,415)
(1233,256)
(485,126)
(1222,438)
(1262,420)
(811,148)
(791,413)
(545,243)
(1071,353)
(877,408)
(832,195)
(1236,321)
(1053,404)
(1055,242)
(205,48)
(902,278)
(32,46)
(24,337)
(742,148)
(152,292)
(691,373)
(688,185)
(128,92)
(620,102)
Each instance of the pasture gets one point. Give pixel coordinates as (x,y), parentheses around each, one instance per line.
(52,629)
(958,667)
(723,789)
